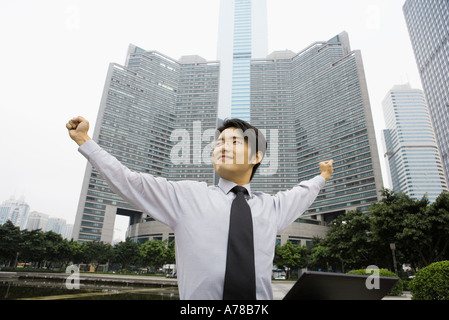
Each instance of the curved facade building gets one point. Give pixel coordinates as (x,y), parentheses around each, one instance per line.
(317,101)
(153,117)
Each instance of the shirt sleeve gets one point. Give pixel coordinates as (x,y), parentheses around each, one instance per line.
(153,195)
(291,204)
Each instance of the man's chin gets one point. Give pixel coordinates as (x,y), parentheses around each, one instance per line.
(225,169)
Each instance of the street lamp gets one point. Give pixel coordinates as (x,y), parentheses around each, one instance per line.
(393,249)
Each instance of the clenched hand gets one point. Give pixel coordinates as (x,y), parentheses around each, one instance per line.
(78,128)
(327,169)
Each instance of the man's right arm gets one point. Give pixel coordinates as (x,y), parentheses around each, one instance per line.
(155,196)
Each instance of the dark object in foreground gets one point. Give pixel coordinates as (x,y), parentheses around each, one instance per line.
(313,285)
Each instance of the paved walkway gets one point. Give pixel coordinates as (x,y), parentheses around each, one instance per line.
(281,288)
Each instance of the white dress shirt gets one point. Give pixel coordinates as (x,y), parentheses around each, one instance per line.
(199,215)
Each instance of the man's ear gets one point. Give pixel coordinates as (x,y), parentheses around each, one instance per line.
(258,157)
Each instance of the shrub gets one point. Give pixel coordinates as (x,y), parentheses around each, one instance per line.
(432,282)
(397,288)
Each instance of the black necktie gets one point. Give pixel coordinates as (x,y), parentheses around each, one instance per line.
(240,276)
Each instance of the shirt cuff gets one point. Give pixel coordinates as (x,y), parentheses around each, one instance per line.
(88,147)
(320,180)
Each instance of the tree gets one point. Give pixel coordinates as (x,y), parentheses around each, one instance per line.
(171,257)
(126,252)
(98,252)
(386,220)
(32,247)
(78,252)
(154,253)
(290,256)
(55,249)
(65,253)
(349,241)
(10,239)
(420,231)
(320,258)
(437,233)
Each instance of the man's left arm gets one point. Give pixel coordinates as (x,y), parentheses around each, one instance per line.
(291,204)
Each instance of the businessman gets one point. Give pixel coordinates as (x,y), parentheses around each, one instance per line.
(225,234)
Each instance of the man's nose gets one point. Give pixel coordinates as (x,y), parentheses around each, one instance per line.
(227,147)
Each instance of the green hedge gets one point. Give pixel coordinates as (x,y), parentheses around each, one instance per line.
(431,282)
(397,288)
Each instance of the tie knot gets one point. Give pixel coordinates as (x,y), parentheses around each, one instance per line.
(238,189)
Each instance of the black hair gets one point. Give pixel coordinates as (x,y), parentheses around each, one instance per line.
(261,142)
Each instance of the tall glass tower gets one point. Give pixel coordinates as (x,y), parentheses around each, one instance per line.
(242,35)
(428,25)
(410,147)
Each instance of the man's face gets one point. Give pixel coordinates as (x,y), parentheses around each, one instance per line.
(231,154)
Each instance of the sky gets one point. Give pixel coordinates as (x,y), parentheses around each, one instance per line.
(55,54)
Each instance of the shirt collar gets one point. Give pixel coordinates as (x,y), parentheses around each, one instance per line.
(227,186)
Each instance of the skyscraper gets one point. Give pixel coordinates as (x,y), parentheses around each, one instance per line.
(318,102)
(410,147)
(37,220)
(242,35)
(428,26)
(152,117)
(15,210)
(56,225)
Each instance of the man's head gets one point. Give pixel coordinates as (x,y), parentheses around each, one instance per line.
(239,150)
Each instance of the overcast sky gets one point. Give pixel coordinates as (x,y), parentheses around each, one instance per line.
(55,54)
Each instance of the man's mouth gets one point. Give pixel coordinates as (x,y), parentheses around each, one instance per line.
(224,158)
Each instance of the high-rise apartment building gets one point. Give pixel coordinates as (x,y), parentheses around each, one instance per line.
(410,147)
(56,225)
(37,220)
(318,102)
(152,118)
(242,35)
(428,26)
(15,210)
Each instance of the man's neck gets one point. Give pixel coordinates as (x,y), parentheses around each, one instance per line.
(227,185)
(240,180)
